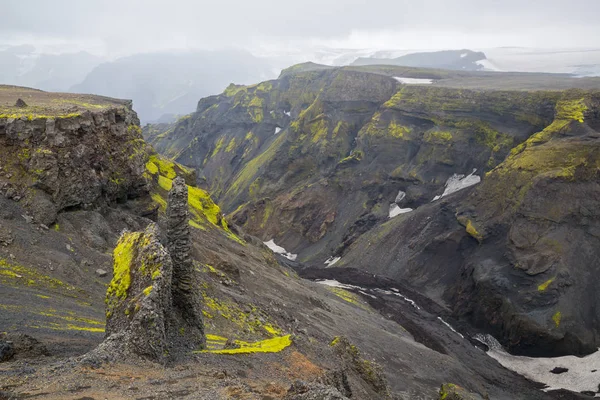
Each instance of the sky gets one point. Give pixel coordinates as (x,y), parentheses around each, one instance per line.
(121,27)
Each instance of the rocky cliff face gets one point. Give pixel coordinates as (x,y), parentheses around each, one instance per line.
(69,153)
(318,158)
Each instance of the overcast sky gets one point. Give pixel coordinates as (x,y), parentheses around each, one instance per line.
(118,27)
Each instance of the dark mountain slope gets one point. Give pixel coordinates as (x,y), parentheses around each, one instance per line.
(99,179)
(447,59)
(314,160)
(516,254)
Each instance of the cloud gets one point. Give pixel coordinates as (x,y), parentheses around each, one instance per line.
(121,27)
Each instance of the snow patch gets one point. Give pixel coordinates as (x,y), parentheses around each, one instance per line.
(280,250)
(334,283)
(413,81)
(463,55)
(288,113)
(400,197)
(578,378)
(458,182)
(451,328)
(277,130)
(332,260)
(396,293)
(367,294)
(395,210)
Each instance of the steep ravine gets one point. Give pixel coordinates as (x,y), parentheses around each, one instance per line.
(314,160)
(106,193)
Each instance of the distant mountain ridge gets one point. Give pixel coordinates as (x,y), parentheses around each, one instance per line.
(467,60)
(172,82)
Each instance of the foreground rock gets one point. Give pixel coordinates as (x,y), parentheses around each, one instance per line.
(19,346)
(186,297)
(153,308)
(71,152)
(138,300)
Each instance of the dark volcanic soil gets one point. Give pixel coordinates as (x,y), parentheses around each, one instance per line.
(421,320)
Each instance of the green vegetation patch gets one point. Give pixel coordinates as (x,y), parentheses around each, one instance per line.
(17,275)
(274,345)
(571,109)
(557,318)
(123,255)
(544,286)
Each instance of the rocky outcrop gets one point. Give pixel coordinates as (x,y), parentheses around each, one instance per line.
(20,346)
(186,297)
(450,391)
(138,300)
(514,254)
(71,160)
(153,305)
(357,367)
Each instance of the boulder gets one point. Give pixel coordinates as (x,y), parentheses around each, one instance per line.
(101,273)
(7,350)
(20,103)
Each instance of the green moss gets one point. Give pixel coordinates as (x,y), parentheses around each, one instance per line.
(166,167)
(242,320)
(557,318)
(397,131)
(508,184)
(151,167)
(24,155)
(231,145)
(318,129)
(218,146)
(71,318)
(348,297)
(264,87)
(471,230)
(202,205)
(123,256)
(33,116)
(134,129)
(379,128)
(255,109)
(272,329)
(394,101)
(147,291)
(233,89)
(254,188)
(355,155)
(542,287)
(246,176)
(571,110)
(267,214)
(12,274)
(158,199)
(274,345)
(438,136)
(165,183)
(446,390)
